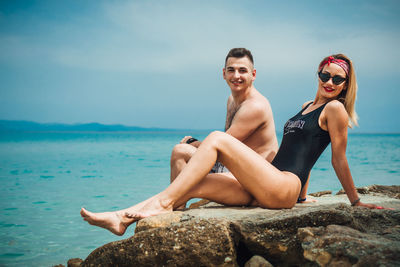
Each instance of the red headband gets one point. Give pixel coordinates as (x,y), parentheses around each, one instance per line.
(340,62)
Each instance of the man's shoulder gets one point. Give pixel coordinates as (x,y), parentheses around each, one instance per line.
(258,102)
(256,108)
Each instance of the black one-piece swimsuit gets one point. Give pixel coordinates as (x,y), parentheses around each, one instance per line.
(303,142)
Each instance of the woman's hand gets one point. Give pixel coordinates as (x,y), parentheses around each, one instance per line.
(371,206)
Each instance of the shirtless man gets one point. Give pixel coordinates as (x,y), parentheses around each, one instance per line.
(248,118)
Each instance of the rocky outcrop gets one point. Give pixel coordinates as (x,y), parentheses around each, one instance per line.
(339,245)
(327,233)
(391,191)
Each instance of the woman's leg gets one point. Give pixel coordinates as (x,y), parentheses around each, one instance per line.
(222,188)
(270,187)
(218,187)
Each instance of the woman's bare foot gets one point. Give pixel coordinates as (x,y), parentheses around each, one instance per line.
(117,221)
(112,221)
(151,207)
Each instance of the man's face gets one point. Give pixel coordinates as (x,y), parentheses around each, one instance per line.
(239,73)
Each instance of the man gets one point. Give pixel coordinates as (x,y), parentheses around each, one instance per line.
(248,118)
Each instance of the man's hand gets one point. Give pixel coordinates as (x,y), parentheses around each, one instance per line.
(184,139)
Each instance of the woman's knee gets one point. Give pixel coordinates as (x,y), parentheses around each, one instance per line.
(215,138)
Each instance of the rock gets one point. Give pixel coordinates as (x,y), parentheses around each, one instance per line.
(388,190)
(318,194)
(258,261)
(199,203)
(75,262)
(155,222)
(199,241)
(215,235)
(336,244)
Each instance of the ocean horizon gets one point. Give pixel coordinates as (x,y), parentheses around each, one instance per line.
(47,177)
(14,126)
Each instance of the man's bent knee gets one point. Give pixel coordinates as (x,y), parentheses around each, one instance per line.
(182,151)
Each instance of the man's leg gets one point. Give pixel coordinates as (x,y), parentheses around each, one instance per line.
(180,156)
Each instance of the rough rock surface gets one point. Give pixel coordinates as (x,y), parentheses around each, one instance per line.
(344,246)
(327,233)
(258,261)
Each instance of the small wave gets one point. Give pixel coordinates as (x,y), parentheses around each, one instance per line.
(10,208)
(39,202)
(46,176)
(8,225)
(12,255)
(88,176)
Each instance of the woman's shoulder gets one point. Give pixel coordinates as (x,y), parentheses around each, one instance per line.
(335,111)
(335,106)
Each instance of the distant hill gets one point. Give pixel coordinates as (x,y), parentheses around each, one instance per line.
(9,125)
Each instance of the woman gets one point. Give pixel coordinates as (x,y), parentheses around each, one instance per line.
(257,182)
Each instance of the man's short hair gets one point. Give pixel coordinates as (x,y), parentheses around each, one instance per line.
(239,53)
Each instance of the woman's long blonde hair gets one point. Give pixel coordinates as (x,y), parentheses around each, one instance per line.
(348,96)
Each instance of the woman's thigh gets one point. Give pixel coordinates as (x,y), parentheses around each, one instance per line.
(222,188)
(269,186)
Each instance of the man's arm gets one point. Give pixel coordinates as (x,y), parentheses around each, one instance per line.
(247,119)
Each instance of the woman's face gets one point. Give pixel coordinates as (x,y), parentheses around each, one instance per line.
(328,89)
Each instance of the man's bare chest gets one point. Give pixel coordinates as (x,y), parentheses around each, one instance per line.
(230,115)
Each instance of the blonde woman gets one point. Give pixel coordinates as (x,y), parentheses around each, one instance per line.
(279,184)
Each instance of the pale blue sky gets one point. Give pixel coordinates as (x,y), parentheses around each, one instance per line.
(159,63)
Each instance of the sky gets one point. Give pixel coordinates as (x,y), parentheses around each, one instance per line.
(159,63)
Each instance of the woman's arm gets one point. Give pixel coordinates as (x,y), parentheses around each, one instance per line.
(303,198)
(337,123)
(303,193)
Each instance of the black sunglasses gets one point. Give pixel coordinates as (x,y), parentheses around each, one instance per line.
(325,76)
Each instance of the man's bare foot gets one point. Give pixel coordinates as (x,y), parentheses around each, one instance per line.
(111,221)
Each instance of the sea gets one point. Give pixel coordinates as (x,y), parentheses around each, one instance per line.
(46,177)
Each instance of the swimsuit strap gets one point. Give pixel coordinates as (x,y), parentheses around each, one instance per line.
(309,104)
(301,111)
(319,108)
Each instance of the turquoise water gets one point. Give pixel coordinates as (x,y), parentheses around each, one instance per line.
(46,178)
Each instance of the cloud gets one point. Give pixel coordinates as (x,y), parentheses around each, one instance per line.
(165,37)
(171,37)
(112,51)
